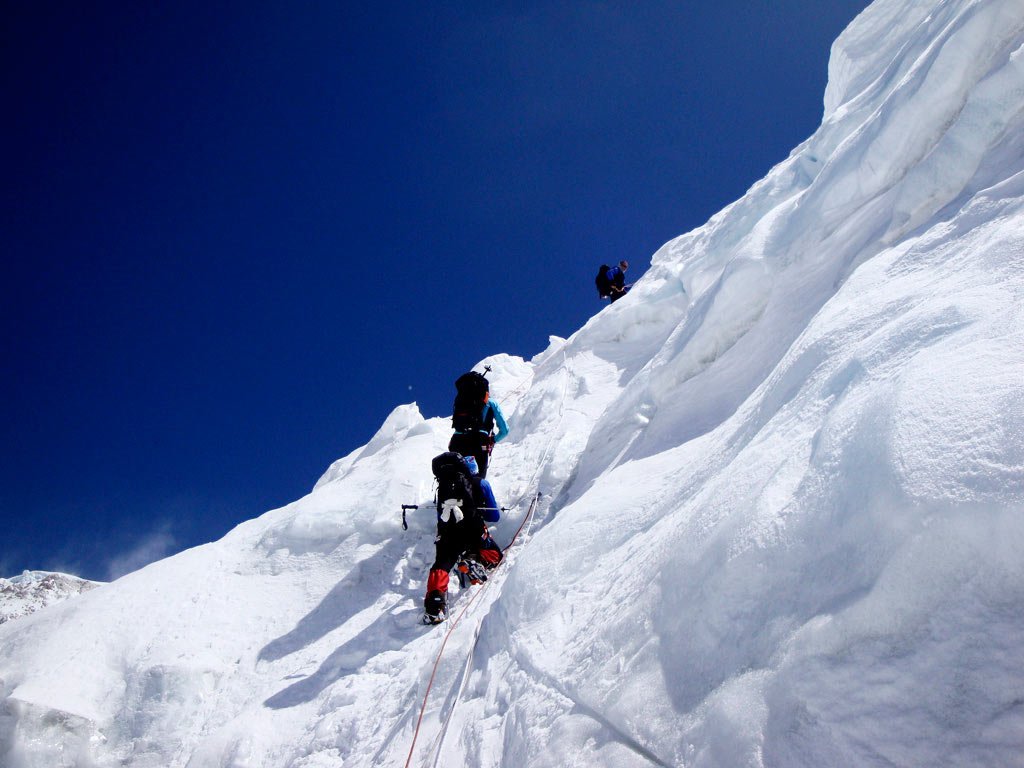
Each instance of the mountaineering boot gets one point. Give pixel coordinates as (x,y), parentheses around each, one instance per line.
(470,572)
(434,608)
(430,618)
(477,575)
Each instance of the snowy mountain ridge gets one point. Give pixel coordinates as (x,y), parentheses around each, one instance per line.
(33,590)
(780,520)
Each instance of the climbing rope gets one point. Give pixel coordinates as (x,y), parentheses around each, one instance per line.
(451,629)
(526,519)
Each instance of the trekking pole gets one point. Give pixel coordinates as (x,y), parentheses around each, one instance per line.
(495,509)
(406,508)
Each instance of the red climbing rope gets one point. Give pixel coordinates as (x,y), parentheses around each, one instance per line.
(454,624)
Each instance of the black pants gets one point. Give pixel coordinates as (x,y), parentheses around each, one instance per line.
(472,444)
(454,540)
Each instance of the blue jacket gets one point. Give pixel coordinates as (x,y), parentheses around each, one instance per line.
(492,415)
(499,420)
(616,277)
(491,513)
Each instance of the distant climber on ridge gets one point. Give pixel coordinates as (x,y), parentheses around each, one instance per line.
(611,281)
(474,416)
(465,504)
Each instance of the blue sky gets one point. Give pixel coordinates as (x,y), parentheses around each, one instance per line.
(236,237)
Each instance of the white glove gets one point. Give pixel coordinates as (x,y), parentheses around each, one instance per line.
(451,508)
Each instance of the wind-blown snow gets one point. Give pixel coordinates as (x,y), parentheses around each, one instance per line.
(781,520)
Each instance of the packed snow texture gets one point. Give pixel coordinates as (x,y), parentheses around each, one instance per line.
(781,513)
(32,590)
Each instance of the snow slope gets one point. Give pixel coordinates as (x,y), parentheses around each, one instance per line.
(781,513)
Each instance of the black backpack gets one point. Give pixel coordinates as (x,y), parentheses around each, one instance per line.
(468,408)
(454,482)
(604,285)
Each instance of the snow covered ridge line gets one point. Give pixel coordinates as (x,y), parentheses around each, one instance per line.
(34,590)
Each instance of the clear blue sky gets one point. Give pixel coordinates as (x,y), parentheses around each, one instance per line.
(236,235)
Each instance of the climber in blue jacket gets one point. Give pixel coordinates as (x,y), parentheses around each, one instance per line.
(479,442)
(616,277)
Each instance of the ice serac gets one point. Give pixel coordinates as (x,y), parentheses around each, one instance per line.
(781,516)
